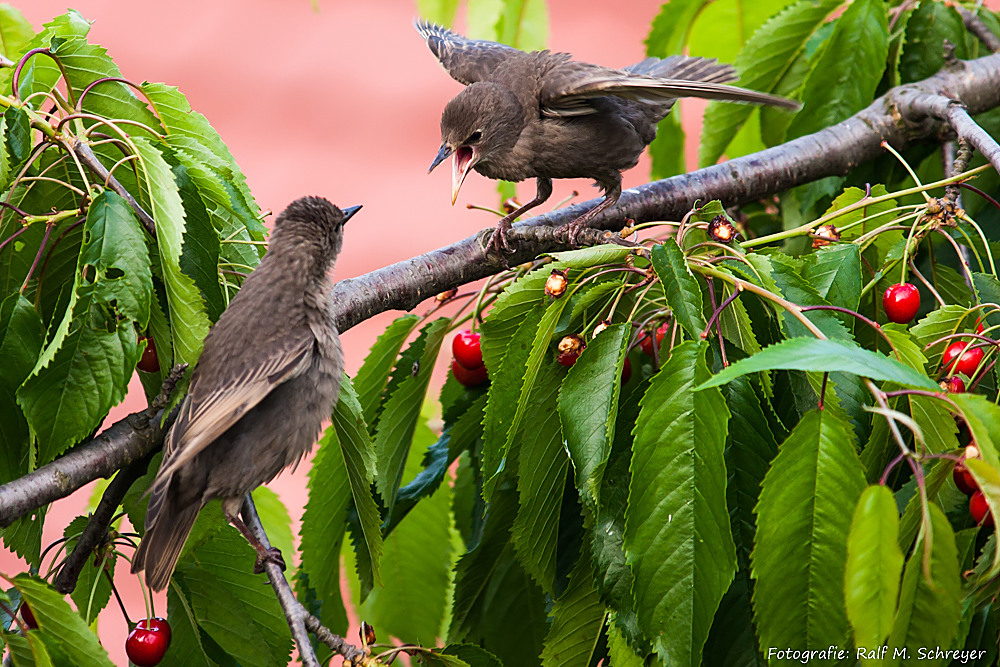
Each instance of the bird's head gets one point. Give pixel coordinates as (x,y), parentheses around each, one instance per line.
(479,124)
(313,221)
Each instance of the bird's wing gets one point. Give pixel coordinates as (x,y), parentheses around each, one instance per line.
(567,89)
(466,60)
(216,403)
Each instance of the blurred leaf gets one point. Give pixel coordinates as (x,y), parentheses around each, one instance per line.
(844,77)
(669,32)
(677,533)
(803,519)
(233,606)
(667,149)
(680,286)
(588,405)
(929,611)
(15,32)
(928,27)
(761,64)
(438,11)
(523,24)
(874,565)
(812,354)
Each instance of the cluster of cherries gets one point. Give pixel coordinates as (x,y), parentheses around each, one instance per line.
(467,363)
(966,483)
(146,644)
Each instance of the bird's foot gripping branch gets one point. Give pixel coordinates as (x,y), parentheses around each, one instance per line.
(731,430)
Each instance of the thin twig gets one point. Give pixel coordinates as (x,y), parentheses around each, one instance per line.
(89,159)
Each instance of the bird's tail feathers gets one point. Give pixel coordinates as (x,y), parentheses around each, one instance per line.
(688,68)
(161,546)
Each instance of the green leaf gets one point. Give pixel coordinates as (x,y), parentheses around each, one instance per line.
(85,368)
(93,590)
(588,405)
(359,459)
(803,520)
(930,25)
(577,618)
(667,150)
(762,64)
(21,338)
(929,610)
(543,467)
(812,354)
(835,272)
(938,323)
(874,565)
(845,75)
(677,533)
(64,628)
(188,319)
(394,433)
(373,376)
(668,34)
(185,638)
(680,286)
(987,291)
(200,253)
(15,32)
(438,11)
(416,561)
(233,606)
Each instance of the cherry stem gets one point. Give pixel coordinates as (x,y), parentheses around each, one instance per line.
(927,284)
(718,311)
(979,192)
(13,615)
(15,80)
(118,597)
(982,374)
(38,255)
(718,327)
(13,236)
(874,325)
(884,479)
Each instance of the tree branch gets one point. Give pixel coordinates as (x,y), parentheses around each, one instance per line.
(90,160)
(300,621)
(902,116)
(975,25)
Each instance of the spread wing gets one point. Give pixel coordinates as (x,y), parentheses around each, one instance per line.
(466,60)
(219,397)
(567,88)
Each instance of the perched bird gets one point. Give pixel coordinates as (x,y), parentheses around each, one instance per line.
(268,375)
(543,115)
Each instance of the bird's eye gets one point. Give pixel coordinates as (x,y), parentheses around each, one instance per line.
(475,137)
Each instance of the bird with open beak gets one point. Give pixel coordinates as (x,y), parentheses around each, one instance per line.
(543,115)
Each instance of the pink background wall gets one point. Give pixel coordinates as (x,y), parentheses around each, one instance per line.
(343,103)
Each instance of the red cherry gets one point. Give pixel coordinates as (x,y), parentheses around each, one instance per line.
(979,325)
(646,341)
(27,616)
(626,370)
(980,510)
(953,385)
(901,302)
(964,480)
(148,641)
(468,377)
(967,363)
(568,358)
(466,349)
(148,363)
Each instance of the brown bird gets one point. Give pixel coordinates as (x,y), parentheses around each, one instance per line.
(543,115)
(268,375)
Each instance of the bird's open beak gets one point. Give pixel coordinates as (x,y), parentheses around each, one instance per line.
(350,211)
(465,157)
(442,154)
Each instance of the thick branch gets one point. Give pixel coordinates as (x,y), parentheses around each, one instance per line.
(975,25)
(900,117)
(300,621)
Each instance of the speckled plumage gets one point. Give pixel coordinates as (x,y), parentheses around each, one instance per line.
(543,115)
(268,375)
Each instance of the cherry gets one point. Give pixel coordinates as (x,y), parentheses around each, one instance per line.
(148,641)
(646,341)
(964,480)
(466,349)
(28,617)
(967,363)
(979,325)
(468,377)
(953,384)
(148,363)
(570,348)
(980,510)
(901,302)
(626,370)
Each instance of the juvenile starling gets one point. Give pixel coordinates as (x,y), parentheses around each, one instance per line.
(543,115)
(268,375)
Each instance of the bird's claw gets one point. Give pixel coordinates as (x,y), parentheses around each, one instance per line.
(270,555)
(498,241)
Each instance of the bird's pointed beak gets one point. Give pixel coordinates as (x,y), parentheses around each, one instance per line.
(350,211)
(442,154)
(465,157)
